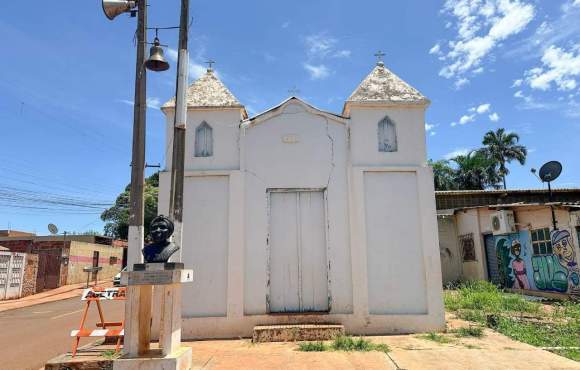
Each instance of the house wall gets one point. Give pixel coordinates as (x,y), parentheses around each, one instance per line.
(81,255)
(552,272)
(29,278)
(451,257)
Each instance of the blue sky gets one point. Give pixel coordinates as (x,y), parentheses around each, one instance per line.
(66,83)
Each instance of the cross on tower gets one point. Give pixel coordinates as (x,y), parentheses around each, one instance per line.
(379,54)
(293,91)
(210,63)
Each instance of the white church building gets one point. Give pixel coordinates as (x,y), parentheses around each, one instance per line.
(301,216)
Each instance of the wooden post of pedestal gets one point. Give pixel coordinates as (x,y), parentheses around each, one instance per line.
(170,325)
(140,285)
(137,336)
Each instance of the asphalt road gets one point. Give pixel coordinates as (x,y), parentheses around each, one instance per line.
(31,336)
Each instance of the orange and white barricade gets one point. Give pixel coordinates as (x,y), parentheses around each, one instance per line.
(97,295)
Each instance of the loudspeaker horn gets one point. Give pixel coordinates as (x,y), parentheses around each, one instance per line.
(113,8)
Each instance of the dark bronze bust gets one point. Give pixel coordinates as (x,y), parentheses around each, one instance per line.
(161,248)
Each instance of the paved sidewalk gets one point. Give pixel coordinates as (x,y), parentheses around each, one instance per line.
(60,293)
(408,352)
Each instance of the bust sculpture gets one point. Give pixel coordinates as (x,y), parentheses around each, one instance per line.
(161,247)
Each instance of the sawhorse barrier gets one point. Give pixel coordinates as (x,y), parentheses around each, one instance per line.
(97,295)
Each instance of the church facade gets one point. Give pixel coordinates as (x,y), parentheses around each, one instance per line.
(297,215)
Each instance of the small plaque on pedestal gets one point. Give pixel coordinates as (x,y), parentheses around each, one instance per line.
(156,277)
(158,266)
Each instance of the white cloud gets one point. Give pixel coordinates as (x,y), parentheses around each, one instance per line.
(559,68)
(480,109)
(436,49)
(494,117)
(466,119)
(317,72)
(481,26)
(195,69)
(152,102)
(429,127)
(320,45)
(456,152)
(517,83)
(460,82)
(285,24)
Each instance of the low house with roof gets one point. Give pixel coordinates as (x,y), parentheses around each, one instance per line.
(301,216)
(508,237)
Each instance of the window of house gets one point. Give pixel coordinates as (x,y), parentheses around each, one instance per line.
(467,247)
(387,135)
(203,140)
(541,243)
(112,260)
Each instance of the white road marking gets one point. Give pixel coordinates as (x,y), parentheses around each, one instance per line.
(41,311)
(66,314)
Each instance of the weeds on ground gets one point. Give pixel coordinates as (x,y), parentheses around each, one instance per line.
(344,343)
(472,331)
(558,329)
(111,354)
(312,347)
(439,338)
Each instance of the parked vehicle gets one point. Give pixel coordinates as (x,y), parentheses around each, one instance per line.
(117,278)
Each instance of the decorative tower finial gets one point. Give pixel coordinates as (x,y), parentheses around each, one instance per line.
(210,63)
(293,91)
(379,54)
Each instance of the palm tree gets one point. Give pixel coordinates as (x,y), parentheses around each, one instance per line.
(443,175)
(475,171)
(503,148)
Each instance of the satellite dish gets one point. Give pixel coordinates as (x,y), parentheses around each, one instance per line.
(550,171)
(53,229)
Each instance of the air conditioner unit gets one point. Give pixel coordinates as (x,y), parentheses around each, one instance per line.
(503,222)
(575,219)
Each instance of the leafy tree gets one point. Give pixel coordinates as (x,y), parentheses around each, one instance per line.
(503,148)
(117,217)
(475,171)
(443,175)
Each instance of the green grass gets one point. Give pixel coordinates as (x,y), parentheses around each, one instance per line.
(312,347)
(513,316)
(472,331)
(111,354)
(439,338)
(343,343)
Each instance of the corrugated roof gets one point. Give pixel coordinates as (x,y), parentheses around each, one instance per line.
(208,92)
(383,86)
(500,191)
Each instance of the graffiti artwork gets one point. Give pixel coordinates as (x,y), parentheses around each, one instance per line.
(518,266)
(564,250)
(553,268)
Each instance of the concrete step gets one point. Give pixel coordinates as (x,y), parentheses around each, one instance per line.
(298,332)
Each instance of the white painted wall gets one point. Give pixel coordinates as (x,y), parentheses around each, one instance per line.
(373,289)
(451,257)
(410,127)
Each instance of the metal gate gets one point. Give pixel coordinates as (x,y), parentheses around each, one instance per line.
(490,253)
(11,274)
(48,269)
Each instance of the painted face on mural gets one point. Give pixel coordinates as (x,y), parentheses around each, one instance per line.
(516,248)
(562,246)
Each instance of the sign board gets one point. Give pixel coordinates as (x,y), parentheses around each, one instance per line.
(156,277)
(105,294)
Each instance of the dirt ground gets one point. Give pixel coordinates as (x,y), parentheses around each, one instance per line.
(491,351)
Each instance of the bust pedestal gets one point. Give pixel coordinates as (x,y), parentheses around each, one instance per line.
(137,349)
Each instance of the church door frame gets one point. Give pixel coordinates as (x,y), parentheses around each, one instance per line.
(269,193)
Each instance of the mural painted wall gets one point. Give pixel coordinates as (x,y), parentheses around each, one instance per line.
(522,264)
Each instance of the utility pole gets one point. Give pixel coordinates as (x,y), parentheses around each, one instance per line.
(136,212)
(179,123)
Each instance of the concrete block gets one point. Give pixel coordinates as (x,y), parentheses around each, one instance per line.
(154,360)
(292,333)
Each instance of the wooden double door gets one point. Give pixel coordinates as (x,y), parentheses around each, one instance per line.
(298,266)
